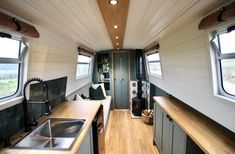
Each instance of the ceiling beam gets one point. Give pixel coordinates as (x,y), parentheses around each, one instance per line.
(115,15)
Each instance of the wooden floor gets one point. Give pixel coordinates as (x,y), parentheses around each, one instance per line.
(125,135)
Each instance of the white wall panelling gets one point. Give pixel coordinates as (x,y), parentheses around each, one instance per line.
(52,56)
(187,74)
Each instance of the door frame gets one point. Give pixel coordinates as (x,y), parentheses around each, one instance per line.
(113,89)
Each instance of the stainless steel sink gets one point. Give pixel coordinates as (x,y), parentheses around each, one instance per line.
(54,133)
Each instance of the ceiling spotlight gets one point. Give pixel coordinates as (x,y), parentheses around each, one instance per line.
(117,43)
(113,2)
(116,37)
(115,26)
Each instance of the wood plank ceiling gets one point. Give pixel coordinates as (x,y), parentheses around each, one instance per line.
(77,20)
(115,15)
(81,21)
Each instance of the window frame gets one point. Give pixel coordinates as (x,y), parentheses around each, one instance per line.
(155,61)
(89,68)
(19,61)
(218,57)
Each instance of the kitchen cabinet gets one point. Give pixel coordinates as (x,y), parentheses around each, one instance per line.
(87,144)
(168,136)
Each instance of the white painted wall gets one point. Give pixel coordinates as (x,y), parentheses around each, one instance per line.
(52,56)
(187,75)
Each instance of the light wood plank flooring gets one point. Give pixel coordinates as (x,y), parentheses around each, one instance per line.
(125,135)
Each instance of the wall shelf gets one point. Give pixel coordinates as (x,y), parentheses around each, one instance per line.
(103,69)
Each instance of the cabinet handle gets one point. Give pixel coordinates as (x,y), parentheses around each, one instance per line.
(170,119)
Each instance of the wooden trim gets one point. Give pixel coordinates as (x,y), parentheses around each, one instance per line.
(14,24)
(225,13)
(154,47)
(229,14)
(115,15)
(86,51)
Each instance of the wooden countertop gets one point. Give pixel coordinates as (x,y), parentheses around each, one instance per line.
(207,134)
(73,110)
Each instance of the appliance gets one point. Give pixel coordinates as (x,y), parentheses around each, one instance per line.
(138,103)
(98,132)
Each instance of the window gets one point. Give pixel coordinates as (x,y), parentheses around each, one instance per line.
(224,47)
(83,66)
(10,67)
(154,64)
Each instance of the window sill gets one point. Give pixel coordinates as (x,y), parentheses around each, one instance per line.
(11,102)
(155,75)
(80,77)
(225,98)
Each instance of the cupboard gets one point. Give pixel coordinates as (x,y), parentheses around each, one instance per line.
(87,144)
(169,137)
(121,80)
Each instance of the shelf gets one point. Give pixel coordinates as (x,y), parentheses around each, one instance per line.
(103,69)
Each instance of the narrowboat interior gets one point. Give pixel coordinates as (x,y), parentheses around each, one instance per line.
(117,76)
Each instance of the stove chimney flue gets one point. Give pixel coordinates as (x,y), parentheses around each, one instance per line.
(139,71)
(138,103)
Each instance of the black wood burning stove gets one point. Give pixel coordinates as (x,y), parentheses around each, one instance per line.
(137,106)
(138,103)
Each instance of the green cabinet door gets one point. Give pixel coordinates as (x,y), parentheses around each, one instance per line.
(117,81)
(155,123)
(158,121)
(167,129)
(178,140)
(121,80)
(87,144)
(125,80)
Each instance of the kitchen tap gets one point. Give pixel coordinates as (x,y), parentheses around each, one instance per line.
(27,121)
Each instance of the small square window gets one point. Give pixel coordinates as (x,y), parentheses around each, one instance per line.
(83,66)
(154,64)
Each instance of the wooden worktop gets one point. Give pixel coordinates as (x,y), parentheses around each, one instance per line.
(73,110)
(207,134)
